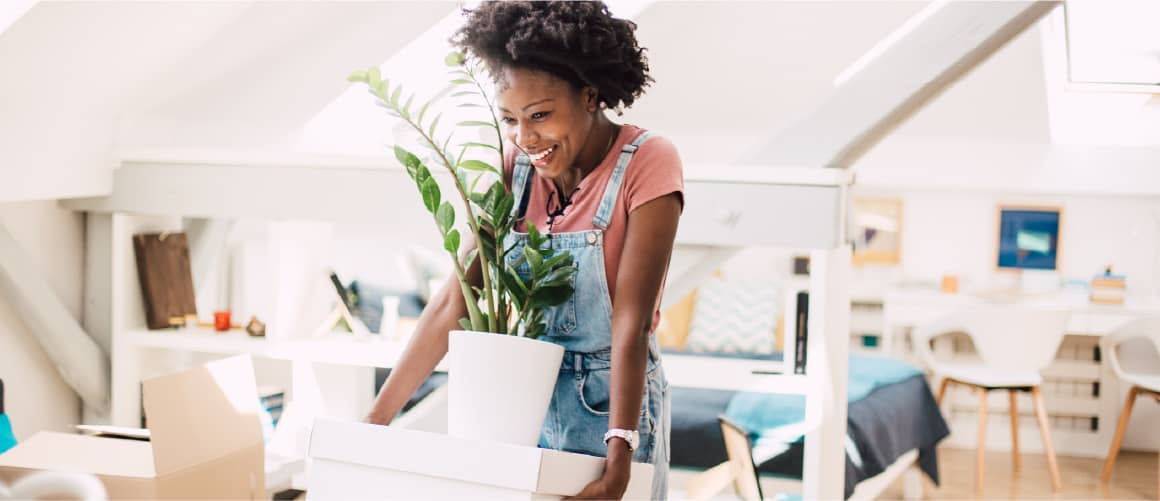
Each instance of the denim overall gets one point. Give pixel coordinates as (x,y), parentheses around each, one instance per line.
(578,415)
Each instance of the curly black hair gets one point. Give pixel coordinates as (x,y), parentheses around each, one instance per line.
(579,42)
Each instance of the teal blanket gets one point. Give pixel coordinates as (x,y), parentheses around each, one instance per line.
(776,421)
(7,439)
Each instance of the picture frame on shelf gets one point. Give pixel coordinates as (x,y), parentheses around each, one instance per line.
(875,230)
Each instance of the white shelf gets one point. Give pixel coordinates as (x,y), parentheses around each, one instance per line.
(713,373)
(335,348)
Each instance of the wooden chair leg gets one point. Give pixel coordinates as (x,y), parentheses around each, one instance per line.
(1045,430)
(1110,462)
(1014,430)
(942,390)
(980,453)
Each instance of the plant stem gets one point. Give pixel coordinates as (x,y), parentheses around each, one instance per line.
(472,306)
(476,322)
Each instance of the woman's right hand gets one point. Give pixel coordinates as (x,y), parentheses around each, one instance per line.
(377,418)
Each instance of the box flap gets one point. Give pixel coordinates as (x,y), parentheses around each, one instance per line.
(203,413)
(433,454)
(48,450)
(101,430)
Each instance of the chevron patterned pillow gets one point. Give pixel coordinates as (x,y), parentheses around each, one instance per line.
(735,317)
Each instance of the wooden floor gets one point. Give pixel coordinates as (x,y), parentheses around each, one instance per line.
(1135,477)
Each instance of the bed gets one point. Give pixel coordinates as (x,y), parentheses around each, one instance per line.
(892,419)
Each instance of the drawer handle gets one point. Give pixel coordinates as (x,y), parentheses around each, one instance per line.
(728,217)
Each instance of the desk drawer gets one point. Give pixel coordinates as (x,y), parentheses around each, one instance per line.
(761,214)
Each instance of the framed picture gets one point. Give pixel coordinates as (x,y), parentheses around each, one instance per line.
(876,230)
(1028,237)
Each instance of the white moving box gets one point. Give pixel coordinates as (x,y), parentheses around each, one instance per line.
(364,461)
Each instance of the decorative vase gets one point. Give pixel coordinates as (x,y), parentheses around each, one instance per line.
(499,386)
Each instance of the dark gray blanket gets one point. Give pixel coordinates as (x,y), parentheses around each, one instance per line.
(890,421)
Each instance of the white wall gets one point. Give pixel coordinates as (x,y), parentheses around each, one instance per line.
(36,397)
(954,232)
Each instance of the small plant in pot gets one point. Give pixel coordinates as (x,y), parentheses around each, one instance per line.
(499,385)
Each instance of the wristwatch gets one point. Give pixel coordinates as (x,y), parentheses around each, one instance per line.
(630,436)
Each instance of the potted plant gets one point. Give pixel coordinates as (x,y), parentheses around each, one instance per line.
(499,385)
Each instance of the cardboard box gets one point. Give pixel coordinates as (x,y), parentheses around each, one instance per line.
(361,461)
(205,441)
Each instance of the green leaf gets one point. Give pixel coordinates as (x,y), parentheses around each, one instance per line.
(407,107)
(462,93)
(547,297)
(534,237)
(559,276)
(395,95)
(357,76)
(534,260)
(515,284)
(478,166)
(471,105)
(505,206)
(445,218)
(380,88)
(462,81)
(454,59)
(451,241)
(431,129)
(476,123)
(465,324)
(430,191)
(561,259)
(374,76)
(422,112)
(408,159)
(487,246)
(476,198)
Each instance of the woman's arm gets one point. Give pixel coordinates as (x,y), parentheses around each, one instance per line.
(648,244)
(426,348)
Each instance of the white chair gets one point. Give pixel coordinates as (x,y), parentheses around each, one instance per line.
(1141,338)
(1014,344)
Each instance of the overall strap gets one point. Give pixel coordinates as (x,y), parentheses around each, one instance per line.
(604,212)
(521,183)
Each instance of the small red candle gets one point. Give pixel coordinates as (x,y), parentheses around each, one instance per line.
(221,321)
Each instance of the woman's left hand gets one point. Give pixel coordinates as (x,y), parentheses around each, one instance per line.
(608,486)
(614,481)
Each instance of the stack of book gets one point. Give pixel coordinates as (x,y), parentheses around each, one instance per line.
(1107,289)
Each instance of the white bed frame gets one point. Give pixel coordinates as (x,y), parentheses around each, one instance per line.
(793,195)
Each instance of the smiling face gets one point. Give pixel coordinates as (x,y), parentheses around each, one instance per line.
(551,121)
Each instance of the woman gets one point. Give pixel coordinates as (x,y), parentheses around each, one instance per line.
(611,194)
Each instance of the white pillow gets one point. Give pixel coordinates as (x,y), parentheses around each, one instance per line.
(738,316)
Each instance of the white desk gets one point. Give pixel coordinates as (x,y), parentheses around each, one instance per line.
(908,307)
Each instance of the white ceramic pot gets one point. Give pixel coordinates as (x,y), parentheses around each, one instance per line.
(499,386)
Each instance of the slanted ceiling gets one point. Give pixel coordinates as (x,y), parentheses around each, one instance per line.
(85,79)
(81,79)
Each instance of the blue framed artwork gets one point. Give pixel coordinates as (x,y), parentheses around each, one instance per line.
(1029,238)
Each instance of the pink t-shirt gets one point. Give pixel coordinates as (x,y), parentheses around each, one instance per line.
(655,171)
